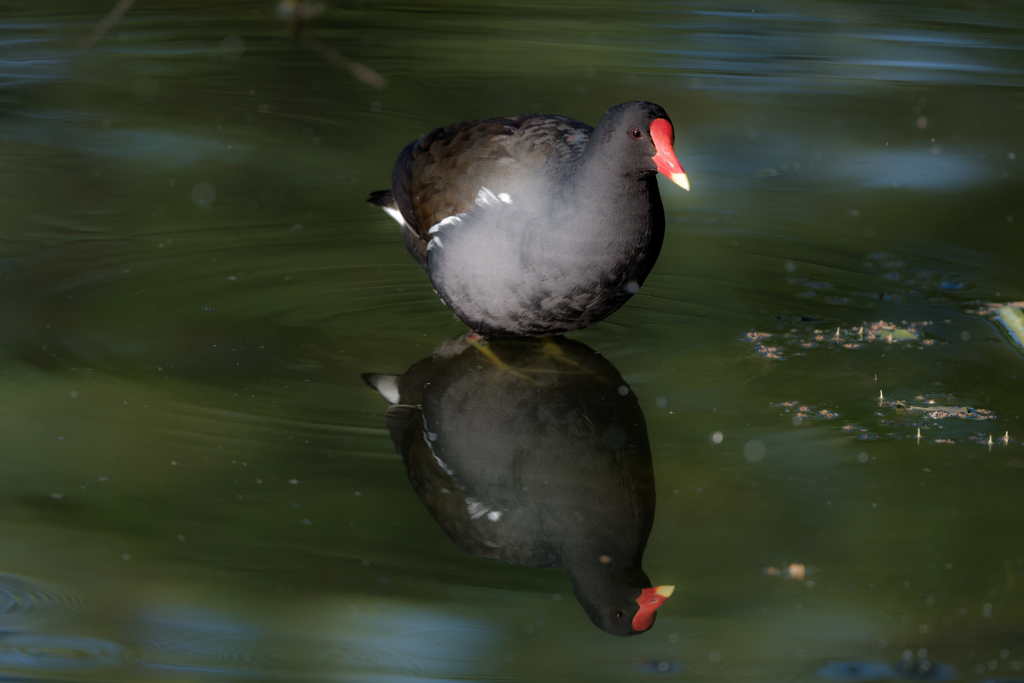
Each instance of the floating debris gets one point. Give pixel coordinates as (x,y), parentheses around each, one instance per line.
(985,439)
(851,338)
(806,412)
(795,571)
(931,409)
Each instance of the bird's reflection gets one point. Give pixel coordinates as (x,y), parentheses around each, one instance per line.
(534,452)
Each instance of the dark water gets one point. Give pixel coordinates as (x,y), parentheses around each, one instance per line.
(196,484)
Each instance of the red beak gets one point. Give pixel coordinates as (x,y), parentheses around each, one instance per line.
(650,598)
(663,137)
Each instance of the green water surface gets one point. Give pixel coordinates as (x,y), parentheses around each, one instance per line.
(196,484)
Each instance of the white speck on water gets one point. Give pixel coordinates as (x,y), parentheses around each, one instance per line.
(965,335)
(715,657)
(717,437)
(74,394)
(232,48)
(203,194)
(375,107)
(790,266)
(797,420)
(623,390)
(862,457)
(181,538)
(753,451)
(661,402)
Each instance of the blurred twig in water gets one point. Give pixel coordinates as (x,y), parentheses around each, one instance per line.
(108,22)
(298,14)
(335,58)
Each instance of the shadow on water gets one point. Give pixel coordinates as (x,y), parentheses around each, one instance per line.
(534,452)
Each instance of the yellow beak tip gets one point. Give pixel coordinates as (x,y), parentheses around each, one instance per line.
(665,591)
(681,180)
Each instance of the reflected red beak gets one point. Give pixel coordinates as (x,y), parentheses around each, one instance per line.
(663,137)
(650,598)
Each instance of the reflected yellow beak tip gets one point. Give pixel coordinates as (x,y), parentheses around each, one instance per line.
(681,180)
(666,591)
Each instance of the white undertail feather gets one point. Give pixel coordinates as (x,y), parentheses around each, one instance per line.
(397,215)
(386,386)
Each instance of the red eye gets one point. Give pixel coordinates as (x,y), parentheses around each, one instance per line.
(636,133)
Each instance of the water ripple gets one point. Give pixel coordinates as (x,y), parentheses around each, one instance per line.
(22,600)
(56,652)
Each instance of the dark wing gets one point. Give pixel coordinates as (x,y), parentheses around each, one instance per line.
(440,175)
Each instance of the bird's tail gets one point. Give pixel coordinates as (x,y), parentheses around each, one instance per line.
(386,385)
(381,198)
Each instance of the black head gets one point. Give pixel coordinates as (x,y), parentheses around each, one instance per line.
(637,138)
(621,603)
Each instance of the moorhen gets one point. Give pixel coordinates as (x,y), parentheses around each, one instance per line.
(534,452)
(537,224)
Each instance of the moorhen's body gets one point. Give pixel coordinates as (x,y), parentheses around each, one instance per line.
(535,453)
(538,224)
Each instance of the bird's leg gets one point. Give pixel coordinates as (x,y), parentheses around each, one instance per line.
(478,342)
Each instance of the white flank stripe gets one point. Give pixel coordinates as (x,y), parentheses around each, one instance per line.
(485,197)
(451,220)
